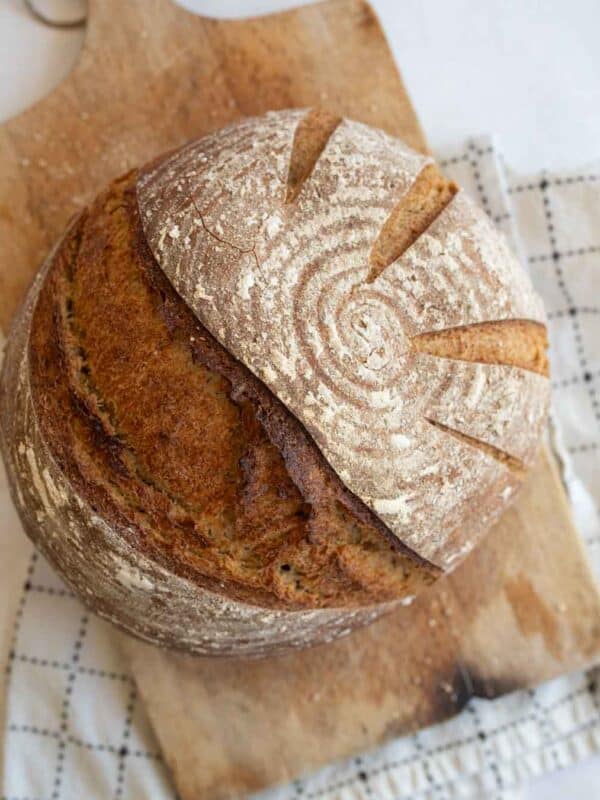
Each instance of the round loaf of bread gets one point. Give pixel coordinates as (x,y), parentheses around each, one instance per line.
(270,386)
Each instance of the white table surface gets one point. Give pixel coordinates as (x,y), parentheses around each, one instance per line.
(524,70)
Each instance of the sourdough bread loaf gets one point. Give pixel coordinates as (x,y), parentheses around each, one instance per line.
(270,386)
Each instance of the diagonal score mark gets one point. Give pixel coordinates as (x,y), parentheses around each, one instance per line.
(409,219)
(510,342)
(312,134)
(515,465)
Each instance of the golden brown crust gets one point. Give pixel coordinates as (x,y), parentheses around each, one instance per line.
(310,137)
(513,342)
(411,216)
(174,440)
(142,416)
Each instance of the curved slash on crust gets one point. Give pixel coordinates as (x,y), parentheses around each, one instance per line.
(409,219)
(310,138)
(515,465)
(511,342)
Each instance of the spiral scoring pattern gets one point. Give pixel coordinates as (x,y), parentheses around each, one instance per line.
(283,287)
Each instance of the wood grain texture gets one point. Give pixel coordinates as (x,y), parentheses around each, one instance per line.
(522,608)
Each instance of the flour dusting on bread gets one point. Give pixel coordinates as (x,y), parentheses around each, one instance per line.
(287,287)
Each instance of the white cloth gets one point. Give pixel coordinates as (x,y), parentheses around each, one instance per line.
(74,725)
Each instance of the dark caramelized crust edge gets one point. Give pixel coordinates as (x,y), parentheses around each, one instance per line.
(183,450)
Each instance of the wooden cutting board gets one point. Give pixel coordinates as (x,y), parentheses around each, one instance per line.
(523,607)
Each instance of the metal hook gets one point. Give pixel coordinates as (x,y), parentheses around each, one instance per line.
(53,23)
